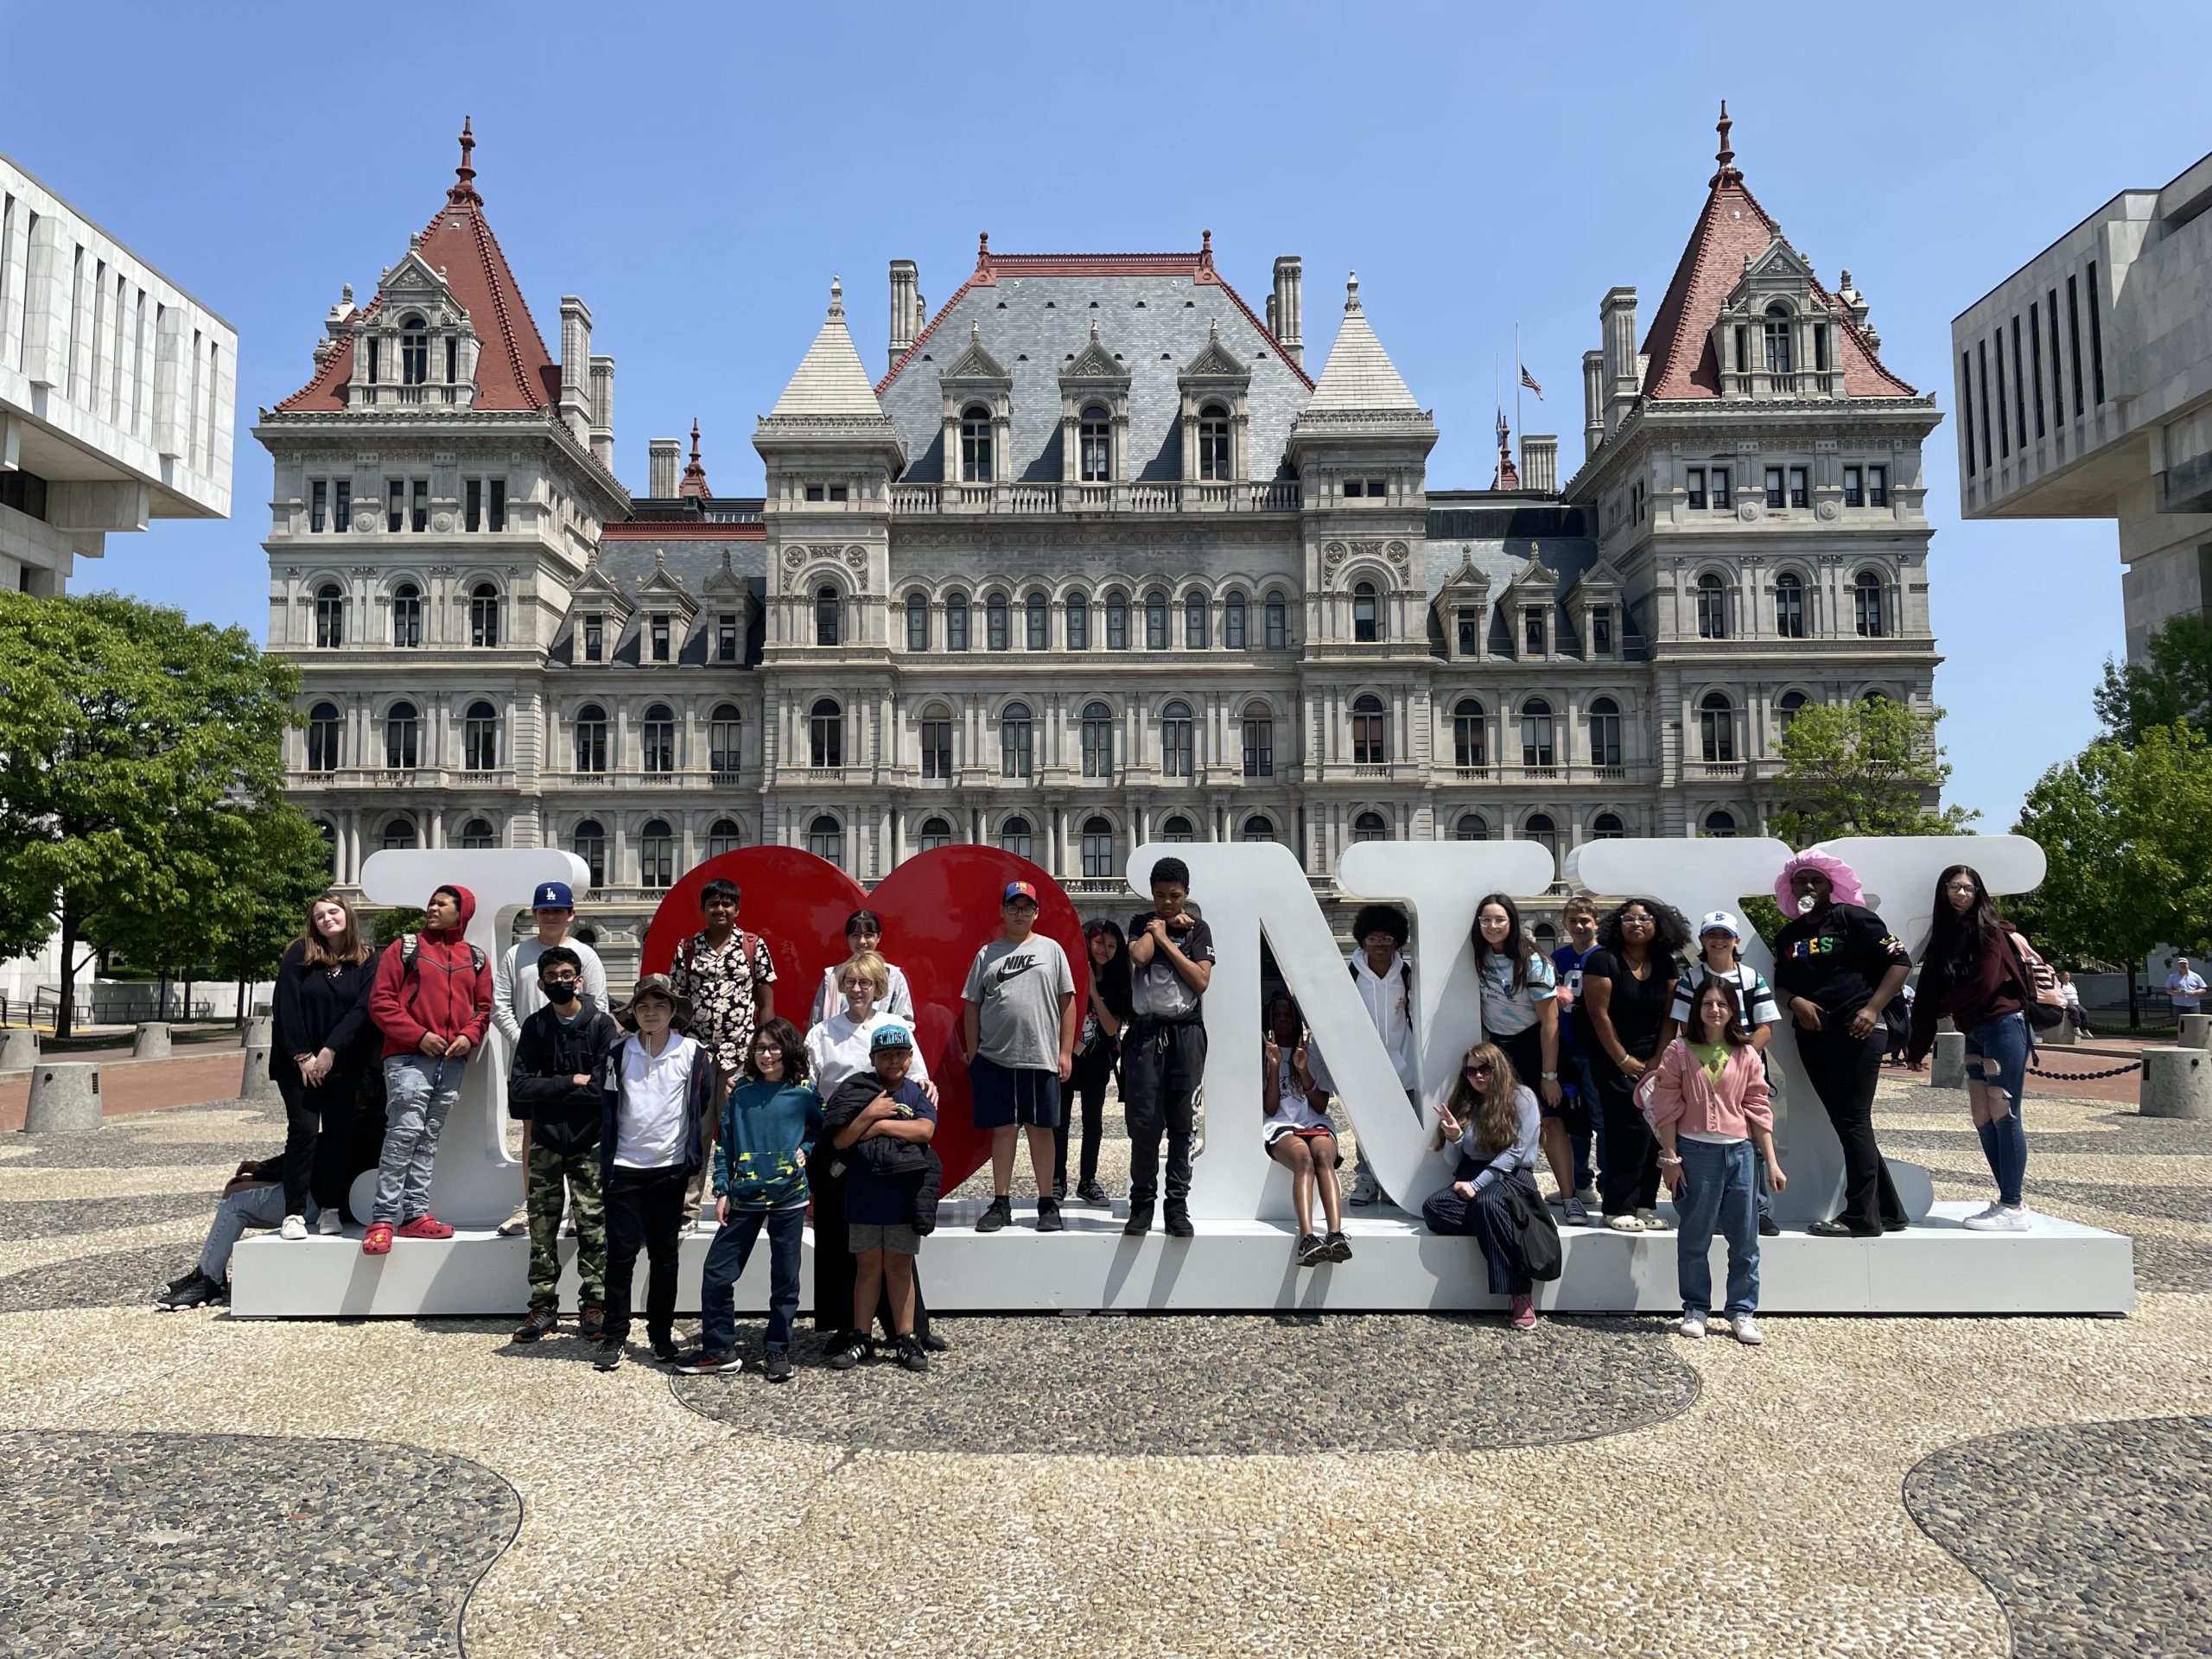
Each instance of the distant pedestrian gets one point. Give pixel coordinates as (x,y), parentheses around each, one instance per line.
(517,993)
(320,1021)
(1018,1031)
(2185,988)
(2075,1014)
(1488,1129)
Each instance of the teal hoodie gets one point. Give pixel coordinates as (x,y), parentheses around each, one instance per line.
(765,1125)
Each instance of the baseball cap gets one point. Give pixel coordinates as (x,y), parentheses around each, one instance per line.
(890,1036)
(1720,921)
(553,895)
(1019,890)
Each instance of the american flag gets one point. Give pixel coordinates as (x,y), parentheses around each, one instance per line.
(1529,381)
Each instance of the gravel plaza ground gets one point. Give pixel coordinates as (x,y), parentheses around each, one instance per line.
(189,1483)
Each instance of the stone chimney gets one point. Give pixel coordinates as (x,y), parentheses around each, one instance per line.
(1286,306)
(602,412)
(1593,402)
(1540,462)
(1617,314)
(663,469)
(575,367)
(906,307)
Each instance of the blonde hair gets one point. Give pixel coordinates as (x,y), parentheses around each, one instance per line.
(868,966)
(1491,1113)
(351,950)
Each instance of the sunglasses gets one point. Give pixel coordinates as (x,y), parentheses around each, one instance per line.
(1478,1071)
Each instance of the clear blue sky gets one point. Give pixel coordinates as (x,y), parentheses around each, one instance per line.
(699,175)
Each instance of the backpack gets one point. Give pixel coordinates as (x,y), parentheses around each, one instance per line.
(410,943)
(2044,1004)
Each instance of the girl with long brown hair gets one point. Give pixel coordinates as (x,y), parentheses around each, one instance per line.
(1489,1128)
(320,1019)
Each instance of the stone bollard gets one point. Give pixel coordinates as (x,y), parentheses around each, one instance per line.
(260,1032)
(65,1099)
(254,1082)
(2062,1035)
(18,1049)
(152,1042)
(2177,1083)
(1949,1070)
(2196,1031)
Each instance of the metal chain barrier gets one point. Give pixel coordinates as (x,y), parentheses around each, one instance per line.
(2085,1077)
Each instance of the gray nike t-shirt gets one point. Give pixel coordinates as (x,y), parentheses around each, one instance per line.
(1018,987)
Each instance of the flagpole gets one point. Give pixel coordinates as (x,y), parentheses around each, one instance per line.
(1518,370)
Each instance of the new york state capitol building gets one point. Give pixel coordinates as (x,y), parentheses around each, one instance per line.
(1096,559)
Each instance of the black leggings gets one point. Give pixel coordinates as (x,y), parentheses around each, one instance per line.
(1844,1070)
(309,1164)
(1088,1081)
(1632,1172)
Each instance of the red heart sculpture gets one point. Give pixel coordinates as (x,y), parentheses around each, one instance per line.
(938,908)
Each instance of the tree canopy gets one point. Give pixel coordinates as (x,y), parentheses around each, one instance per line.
(1866,768)
(2172,683)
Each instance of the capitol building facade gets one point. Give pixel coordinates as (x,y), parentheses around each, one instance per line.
(1096,556)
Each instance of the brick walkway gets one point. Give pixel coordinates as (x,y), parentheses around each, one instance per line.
(128,1085)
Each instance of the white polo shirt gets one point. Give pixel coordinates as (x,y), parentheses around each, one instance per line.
(649,1128)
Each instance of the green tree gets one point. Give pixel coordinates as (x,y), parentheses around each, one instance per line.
(389,925)
(128,735)
(282,864)
(2172,683)
(1863,769)
(2128,834)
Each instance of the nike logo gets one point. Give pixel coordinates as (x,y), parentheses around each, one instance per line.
(1014,967)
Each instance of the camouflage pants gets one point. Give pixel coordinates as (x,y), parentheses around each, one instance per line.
(549,1171)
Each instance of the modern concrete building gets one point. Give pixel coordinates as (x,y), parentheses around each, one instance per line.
(2085,391)
(117,389)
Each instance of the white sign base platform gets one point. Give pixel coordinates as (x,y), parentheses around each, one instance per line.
(1937,1266)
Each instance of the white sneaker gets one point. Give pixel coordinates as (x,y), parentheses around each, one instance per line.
(1589,1196)
(1693,1325)
(294,1227)
(1746,1330)
(1624,1223)
(1365,1192)
(1653,1222)
(1982,1214)
(517,1224)
(330,1224)
(1998,1219)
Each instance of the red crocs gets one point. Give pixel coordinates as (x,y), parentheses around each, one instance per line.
(426,1226)
(378,1240)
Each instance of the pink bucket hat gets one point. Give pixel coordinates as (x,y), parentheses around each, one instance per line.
(1843,880)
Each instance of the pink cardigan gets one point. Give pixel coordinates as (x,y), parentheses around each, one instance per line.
(1681,1092)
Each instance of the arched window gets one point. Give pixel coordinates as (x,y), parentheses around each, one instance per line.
(589,842)
(591,738)
(976,444)
(1194,621)
(1366,613)
(936,833)
(1790,606)
(1605,732)
(1078,621)
(994,622)
(1866,604)
(1097,849)
(1017,742)
(329,616)
(1607,826)
(825,840)
(1720,824)
(1175,739)
(1015,837)
(477,834)
(1545,936)
(1536,749)
(1037,619)
(658,731)
(1258,827)
(956,622)
(1233,635)
(1214,462)
(1786,710)
(1716,722)
(829,616)
(1097,740)
(1276,615)
(1471,827)
(414,350)
(1539,828)
(1259,740)
(1177,828)
(656,853)
(1118,620)
(1156,620)
(325,738)
(480,738)
(726,740)
(402,727)
(723,836)
(1097,450)
(406,616)
(1712,607)
(1369,826)
(826,733)
(484,616)
(1370,731)
(1776,330)
(918,622)
(1469,735)
(398,834)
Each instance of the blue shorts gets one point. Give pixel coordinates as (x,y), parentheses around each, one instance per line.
(1007,1095)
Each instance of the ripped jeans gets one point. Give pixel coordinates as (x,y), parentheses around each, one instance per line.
(1997,1056)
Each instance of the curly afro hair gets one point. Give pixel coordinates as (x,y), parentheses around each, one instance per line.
(1670,936)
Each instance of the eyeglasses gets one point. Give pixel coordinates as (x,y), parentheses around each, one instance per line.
(1636,921)
(558,981)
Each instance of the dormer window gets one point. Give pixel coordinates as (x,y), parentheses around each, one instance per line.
(660,638)
(1214,462)
(1776,331)
(1532,629)
(1601,632)
(414,350)
(976,444)
(1468,625)
(595,640)
(1096,438)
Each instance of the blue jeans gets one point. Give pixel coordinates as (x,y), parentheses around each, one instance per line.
(725,1259)
(1998,1054)
(250,1206)
(419,1091)
(1717,1194)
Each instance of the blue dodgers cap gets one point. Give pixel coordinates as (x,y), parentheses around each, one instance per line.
(553,895)
(890,1036)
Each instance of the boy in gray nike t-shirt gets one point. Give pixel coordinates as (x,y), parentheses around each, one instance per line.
(1018,1022)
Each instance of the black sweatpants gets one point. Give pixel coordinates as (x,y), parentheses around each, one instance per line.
(1844,1070)
(1631,1170)
(644,1211)
(1087,1081)
(310,1114)
(1162,1066)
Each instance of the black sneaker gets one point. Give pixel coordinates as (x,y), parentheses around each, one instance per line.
(1140,1221)
(542,1322)
(1091,1192)
(182,1280)
(664,1350)
(1179,1220)
(997,1215)
(591,1324)
(1770,1227)
(609,1356)
(1048,1216)
(778,1366)
(703,1363)
(199,1292)
(857,1350)
(1339,1247)
(935,1343)
(911,1356)
(1311,1250)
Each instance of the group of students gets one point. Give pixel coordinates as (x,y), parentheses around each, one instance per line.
(1613,1059)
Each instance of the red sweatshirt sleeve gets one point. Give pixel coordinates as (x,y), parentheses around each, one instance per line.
(388,1008)
(480,1020)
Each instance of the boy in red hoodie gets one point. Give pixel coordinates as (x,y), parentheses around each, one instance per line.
(432,1000)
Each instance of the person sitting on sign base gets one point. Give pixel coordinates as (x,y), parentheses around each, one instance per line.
(1295,1129)
(1489,1128)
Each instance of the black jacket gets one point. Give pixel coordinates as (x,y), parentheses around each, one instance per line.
(549,1056)
(314,1008)
(885,1156)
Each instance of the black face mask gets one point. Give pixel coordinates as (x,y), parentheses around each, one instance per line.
(562,992)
